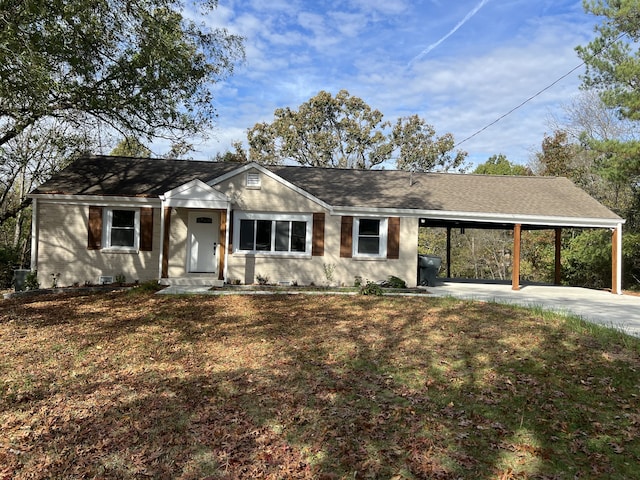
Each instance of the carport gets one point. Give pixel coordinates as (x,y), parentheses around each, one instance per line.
(517,204)
(518,225)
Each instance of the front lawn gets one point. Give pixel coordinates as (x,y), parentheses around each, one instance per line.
(124,385)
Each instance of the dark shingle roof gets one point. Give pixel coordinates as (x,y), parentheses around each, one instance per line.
(508,195)
(124,176)
(502,195)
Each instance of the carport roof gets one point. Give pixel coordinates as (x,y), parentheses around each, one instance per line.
(442,192)
(481,198)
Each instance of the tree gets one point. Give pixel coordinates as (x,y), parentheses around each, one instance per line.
(326,131)
(130,147)
(612,60)
(500,165)
(140,67)
(344,132)
(238,156)
(24,163)
(420,150)
(556,156)
(613,70)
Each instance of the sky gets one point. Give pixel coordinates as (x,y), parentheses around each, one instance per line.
(458,64)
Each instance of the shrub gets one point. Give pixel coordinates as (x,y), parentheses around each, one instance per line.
(150,286)
(31,281)
(371,288)
(395,282)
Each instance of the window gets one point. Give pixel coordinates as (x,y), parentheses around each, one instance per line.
(370,237)
(276,234)
(122,230)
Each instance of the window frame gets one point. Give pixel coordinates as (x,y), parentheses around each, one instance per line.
(382,237)
(273,218)
(108,225)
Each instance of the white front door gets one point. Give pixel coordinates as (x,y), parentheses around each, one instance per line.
(204,233)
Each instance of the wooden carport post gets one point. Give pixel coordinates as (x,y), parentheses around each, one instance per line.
(515,274)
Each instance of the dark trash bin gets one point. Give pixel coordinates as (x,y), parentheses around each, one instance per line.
(429,266)
(20,278)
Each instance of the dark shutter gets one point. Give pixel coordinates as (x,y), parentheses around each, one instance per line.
(94,241)
(346,237)
(393,238)
(317,249)
(146,229)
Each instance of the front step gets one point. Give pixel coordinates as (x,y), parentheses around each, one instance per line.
(194,281)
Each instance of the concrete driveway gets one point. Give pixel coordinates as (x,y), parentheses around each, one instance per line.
(618,311)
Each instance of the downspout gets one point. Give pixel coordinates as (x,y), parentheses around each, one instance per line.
(35,234)
(161,253)
(225,270)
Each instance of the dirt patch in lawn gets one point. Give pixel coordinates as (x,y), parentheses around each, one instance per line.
(130,385)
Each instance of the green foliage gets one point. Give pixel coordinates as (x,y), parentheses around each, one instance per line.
(537,256)
(499,165)
(371,288)
(151,286)
(31,281)
(120,279)
(131,147)
(557,155)
(613,57)
(143,67)
(420,150)
(9,258)
(326,131)
(587,260)
(328,269)
(344,132)
(631,260)
(395,282)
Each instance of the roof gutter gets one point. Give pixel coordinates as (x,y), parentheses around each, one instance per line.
(541,220)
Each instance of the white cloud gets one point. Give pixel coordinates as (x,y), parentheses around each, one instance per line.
(506,52)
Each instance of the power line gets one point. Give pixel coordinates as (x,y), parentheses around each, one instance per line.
(538,93)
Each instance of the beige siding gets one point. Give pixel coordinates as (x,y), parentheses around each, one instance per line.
(63,245)
(178,242)
(276,197)
(272,196)
(63,249)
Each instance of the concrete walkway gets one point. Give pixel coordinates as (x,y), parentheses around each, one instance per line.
(618,311)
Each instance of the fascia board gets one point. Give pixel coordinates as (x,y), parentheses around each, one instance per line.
(199,187)
(582,222)
(96,200)
(271,175)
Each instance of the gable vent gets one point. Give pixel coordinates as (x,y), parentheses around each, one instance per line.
(253,180)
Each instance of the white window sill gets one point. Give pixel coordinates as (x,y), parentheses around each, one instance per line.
(119,250)
(370,258)
(301,255)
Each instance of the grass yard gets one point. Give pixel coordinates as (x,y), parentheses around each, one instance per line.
(132,385)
